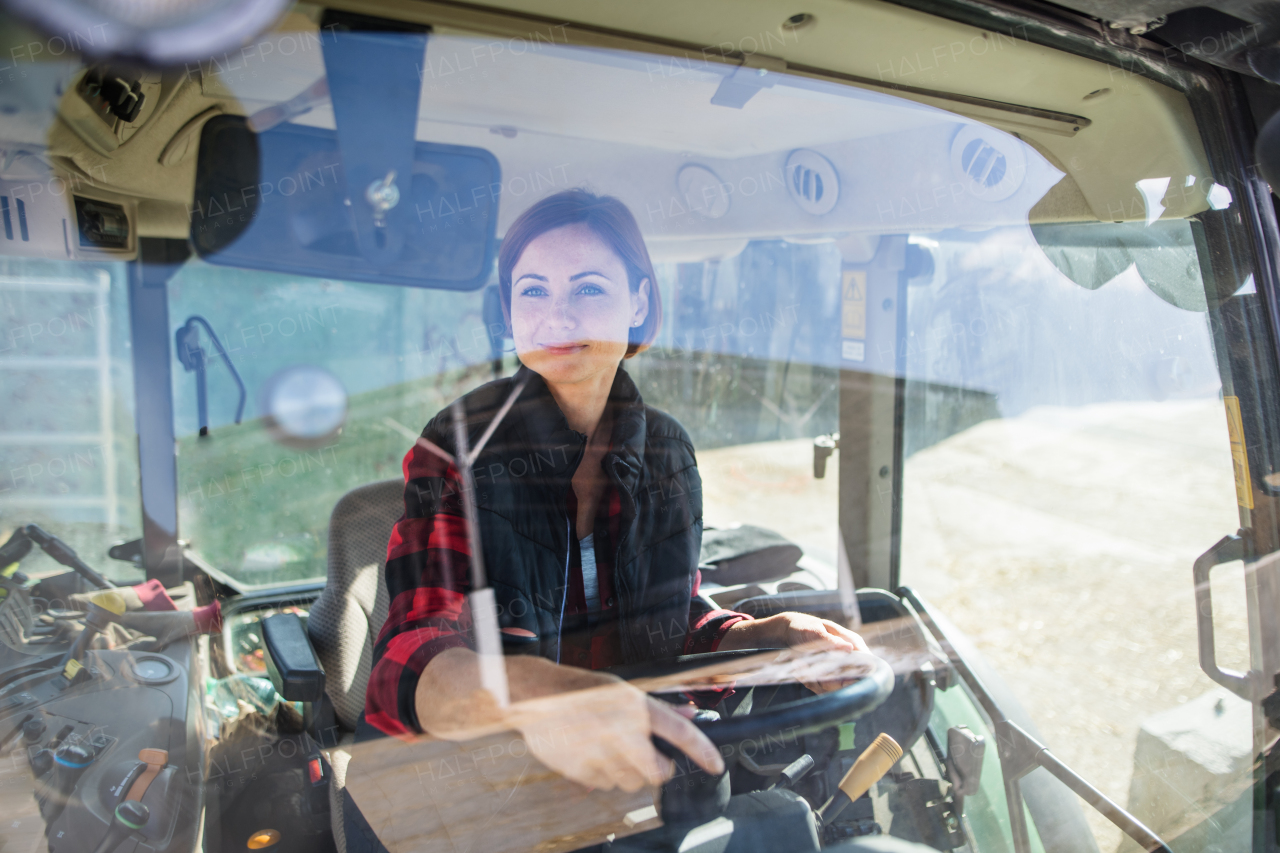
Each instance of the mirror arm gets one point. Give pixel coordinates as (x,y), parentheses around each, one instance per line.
(195,360)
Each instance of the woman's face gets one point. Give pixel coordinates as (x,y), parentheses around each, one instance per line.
(571,306)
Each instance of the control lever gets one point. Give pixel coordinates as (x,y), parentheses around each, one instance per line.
(155,760)
(793,772)
(57,739)
(70,762)
(103,608)
(129,817)
(62,552)
(870,767)
(965,752)
(132,815)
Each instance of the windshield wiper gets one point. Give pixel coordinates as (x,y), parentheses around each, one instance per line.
(194,359)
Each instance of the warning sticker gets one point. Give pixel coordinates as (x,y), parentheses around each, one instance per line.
(853,315)
(1239,455)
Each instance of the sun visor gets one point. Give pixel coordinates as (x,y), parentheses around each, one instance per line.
(364,202)
(280,201)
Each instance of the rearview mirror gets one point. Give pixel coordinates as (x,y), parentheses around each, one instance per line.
(278,200)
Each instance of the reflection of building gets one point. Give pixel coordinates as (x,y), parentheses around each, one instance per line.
(56,431)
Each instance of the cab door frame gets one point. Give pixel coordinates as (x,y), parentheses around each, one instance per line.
(1237,245)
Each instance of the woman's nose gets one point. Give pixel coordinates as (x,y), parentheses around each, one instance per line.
(562,314)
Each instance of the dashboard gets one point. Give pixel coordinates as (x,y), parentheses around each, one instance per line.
(186,746)
(126,724)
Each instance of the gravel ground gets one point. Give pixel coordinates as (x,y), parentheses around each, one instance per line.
(1061,542)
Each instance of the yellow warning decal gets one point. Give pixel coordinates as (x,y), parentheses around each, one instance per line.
(853,313)
(1239,456)
(72,668)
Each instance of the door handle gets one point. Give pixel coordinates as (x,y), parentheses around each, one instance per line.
(1226,550)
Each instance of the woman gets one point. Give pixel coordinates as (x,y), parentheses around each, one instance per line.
(590,514)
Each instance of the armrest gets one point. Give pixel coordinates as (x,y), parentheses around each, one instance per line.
(291,662)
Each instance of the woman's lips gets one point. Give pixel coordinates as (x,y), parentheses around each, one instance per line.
(563,349)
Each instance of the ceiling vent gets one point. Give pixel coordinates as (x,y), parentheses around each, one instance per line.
(812,181)
(703,191)
(991,165)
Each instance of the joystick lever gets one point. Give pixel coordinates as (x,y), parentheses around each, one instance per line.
(132,814)
(104,607)
(69,764)
(129,817)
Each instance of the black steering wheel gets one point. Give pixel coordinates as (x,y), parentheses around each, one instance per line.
(802,716)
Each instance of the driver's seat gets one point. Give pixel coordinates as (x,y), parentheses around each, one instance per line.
(345,620)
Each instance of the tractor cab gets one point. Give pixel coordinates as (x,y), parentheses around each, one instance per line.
(968,312)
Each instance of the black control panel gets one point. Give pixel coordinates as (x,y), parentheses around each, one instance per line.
(75,749)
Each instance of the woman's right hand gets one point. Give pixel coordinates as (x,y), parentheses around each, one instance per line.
(600,737)
(591,727)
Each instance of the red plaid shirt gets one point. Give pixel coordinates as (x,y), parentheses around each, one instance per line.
(429,576)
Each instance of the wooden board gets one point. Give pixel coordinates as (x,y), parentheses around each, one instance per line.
(483,796)
(490,795)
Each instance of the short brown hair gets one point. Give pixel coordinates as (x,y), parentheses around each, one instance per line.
(611,221)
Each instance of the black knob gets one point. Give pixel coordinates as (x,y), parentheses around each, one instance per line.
(33,730)
(132,814)
(42,762)
(71,760)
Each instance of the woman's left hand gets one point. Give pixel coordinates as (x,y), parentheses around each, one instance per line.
(796,631)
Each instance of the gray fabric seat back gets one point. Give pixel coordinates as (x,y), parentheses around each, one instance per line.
(346,618)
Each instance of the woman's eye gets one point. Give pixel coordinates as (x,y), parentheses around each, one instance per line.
(533,290)
(591,290)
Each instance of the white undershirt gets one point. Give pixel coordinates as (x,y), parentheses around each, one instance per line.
(590,581)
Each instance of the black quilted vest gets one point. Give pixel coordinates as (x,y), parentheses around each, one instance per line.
(522,484)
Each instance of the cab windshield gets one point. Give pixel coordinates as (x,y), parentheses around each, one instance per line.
(949,342)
